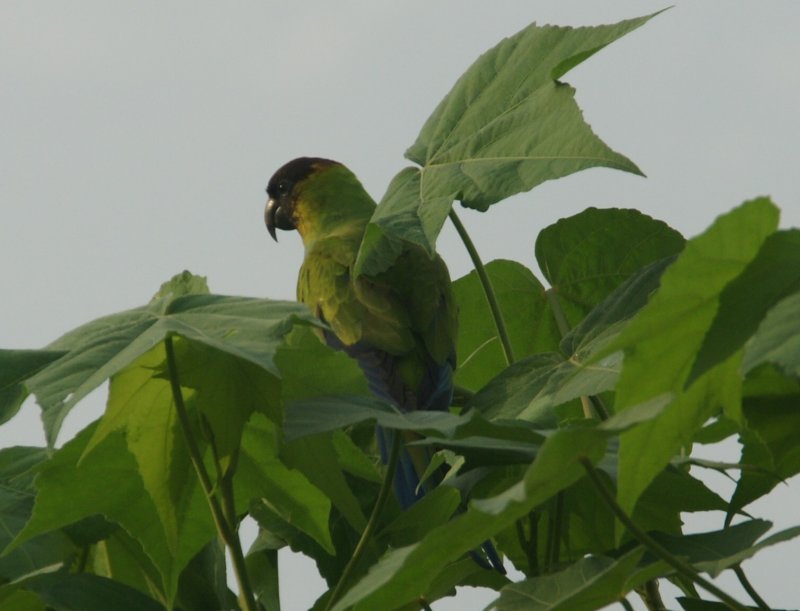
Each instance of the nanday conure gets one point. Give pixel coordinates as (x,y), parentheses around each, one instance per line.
(399,325)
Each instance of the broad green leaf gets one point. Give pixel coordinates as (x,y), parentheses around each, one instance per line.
(620,306)
(263,477)
(262,567)
(120,557)
(434,509)
(316,458)
(16,503)
(777,339)
(309,368)
(203,585)
(522,301)
(590,583)
(250,329)
(772,276)
(140,405)
(586,256)
(530,389)
(716,551)
(15,367)
(324,414)
(661,342)
(402,573)
(86,592)
(126,502)
(770,443)
(507,125)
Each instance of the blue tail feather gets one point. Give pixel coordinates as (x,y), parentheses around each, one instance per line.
(434,393)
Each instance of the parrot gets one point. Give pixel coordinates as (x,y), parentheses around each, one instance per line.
(399,325)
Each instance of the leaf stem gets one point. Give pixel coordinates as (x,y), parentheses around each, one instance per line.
(654,546)
(226,529)
(748,587)
(372,523)
(488,289)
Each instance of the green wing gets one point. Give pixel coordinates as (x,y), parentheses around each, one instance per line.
(407,310)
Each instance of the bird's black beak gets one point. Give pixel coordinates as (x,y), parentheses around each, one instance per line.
(269,217)
(276,217)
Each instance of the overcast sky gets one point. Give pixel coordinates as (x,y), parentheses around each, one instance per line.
(136,141)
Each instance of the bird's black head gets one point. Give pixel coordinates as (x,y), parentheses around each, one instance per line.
(280,212)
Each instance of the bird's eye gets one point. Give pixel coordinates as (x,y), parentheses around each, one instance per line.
(283,187)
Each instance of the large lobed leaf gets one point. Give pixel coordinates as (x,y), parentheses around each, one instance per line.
(507,125)
(661,342)
(247,328)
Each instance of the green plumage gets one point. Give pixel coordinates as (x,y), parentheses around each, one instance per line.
(406,311)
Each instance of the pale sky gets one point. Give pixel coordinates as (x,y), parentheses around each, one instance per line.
(137,139)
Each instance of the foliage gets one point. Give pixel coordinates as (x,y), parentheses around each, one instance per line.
(571,448)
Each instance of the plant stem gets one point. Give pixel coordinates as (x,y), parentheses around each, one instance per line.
(226,529)
(488,289)
(748,587)
(654,546)
(372,523)
(625,604)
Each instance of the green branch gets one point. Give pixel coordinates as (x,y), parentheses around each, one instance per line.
(488,289)
(226,526)
(683,568)
(372,523)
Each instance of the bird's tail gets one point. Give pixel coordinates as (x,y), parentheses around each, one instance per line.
(408,490)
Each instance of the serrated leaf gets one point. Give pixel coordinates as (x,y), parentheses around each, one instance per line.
(590,583)
(661,342)
(587,256)
(522,301)
(247,328)
(507,125)
(772,276)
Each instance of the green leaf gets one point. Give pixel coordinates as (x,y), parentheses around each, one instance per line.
(773,275)
(250,329)
(769,442)
(126,502)
(590,583)
(324,414)
(661,342)
(507,125)
(714,552)
(16,366)
(522,301)
(403,573)
(434,509)
(264,478)
(586,256)
(777,339)
(16,503)
(86,592)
